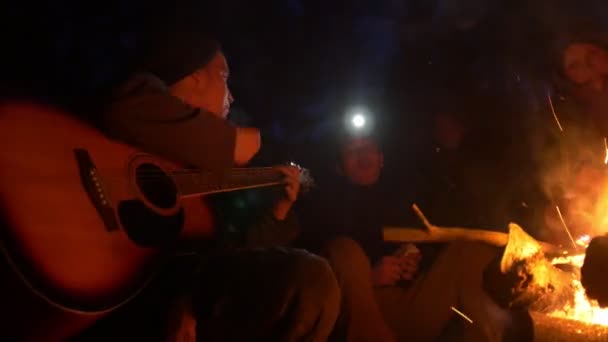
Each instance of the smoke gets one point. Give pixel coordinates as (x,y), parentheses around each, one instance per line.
(572,172)
(568,162)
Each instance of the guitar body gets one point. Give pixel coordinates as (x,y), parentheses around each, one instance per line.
(85,221)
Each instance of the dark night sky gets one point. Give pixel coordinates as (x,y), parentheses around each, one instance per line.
(298,65)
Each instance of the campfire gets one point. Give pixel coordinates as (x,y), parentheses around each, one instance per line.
(582,309)
(542,278)
(552,283)
(550,287)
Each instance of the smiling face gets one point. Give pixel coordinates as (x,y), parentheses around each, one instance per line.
(207,88)
(362,161)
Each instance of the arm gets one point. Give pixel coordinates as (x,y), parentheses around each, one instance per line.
(250,221)
(268,231)
(147,116)
(281,227)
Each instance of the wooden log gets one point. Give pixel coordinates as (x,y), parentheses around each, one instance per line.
(532,280)
(448,234)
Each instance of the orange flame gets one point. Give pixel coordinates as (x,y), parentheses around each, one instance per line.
(522,246)
(583,309)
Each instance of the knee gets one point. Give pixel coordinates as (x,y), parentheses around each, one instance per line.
(345,253)
(315,273)
(311,266)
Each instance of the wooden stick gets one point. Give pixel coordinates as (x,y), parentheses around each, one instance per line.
(423,218)
(447,234)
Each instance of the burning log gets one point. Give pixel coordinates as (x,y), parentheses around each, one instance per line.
(530,279)
(593,272)
(523,278)
(555,299)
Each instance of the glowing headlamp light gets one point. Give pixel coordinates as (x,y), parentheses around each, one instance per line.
(358,121)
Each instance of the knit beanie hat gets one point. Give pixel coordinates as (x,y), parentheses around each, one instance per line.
(176,39)
(173,55)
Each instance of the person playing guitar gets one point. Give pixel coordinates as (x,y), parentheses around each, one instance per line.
(175,110)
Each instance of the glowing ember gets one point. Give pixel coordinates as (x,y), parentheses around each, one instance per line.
(606,148)
(561,218)
(583,309)
(583,241)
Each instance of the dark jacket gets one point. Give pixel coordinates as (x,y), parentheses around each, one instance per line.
(359,212)
(246,219)
(145,115)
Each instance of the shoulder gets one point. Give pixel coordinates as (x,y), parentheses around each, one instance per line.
(144,97)
(141,81)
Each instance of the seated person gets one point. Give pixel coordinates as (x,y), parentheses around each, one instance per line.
(177,109)
(573,163)
(388,297)
(579,163)
(469,174)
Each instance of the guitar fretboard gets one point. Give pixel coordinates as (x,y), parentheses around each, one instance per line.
(195,182)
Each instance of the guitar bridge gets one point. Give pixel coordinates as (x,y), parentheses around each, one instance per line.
(93,185)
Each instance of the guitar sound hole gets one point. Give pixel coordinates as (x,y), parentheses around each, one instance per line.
(156,186)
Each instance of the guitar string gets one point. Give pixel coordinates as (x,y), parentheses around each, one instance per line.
(202,176)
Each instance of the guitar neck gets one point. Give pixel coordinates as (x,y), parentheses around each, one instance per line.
(196,183)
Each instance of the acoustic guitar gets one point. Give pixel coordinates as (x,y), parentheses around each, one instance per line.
(86,220)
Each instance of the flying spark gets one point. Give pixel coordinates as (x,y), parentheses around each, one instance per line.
(559,125)
(461,314)
(565,226)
